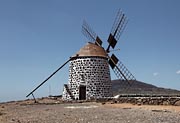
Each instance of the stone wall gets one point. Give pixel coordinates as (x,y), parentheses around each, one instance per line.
(145,100)
(66,95)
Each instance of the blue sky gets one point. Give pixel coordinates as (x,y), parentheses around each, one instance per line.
(37,36)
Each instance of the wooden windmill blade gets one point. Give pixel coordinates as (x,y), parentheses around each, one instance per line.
(117,29)
(31,93)
(90,34)
(119,69)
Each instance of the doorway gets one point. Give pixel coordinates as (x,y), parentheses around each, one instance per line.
(82,92)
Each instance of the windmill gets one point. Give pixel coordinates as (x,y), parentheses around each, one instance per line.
(89,74)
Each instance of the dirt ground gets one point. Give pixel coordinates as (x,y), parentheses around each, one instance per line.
(89,112)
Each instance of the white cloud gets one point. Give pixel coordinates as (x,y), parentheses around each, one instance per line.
(155,74)
(178,72)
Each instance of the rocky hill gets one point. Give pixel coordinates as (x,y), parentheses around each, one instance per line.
(137,87)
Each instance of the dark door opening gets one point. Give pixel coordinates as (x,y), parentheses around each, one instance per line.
(82,92)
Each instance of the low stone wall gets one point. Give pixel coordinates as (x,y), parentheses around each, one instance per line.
(144,100)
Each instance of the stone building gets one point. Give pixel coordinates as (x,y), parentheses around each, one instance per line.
(89,74)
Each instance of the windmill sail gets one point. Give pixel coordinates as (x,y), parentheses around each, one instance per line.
(90,34)
(117,29)
(119,69)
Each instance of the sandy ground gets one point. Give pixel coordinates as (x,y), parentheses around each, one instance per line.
(146,107)
(91,112)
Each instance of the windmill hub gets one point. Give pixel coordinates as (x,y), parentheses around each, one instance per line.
(89,75)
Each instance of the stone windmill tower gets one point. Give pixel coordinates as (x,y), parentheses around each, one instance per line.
(89,74)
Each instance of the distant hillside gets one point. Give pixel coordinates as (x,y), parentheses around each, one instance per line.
(137,87)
